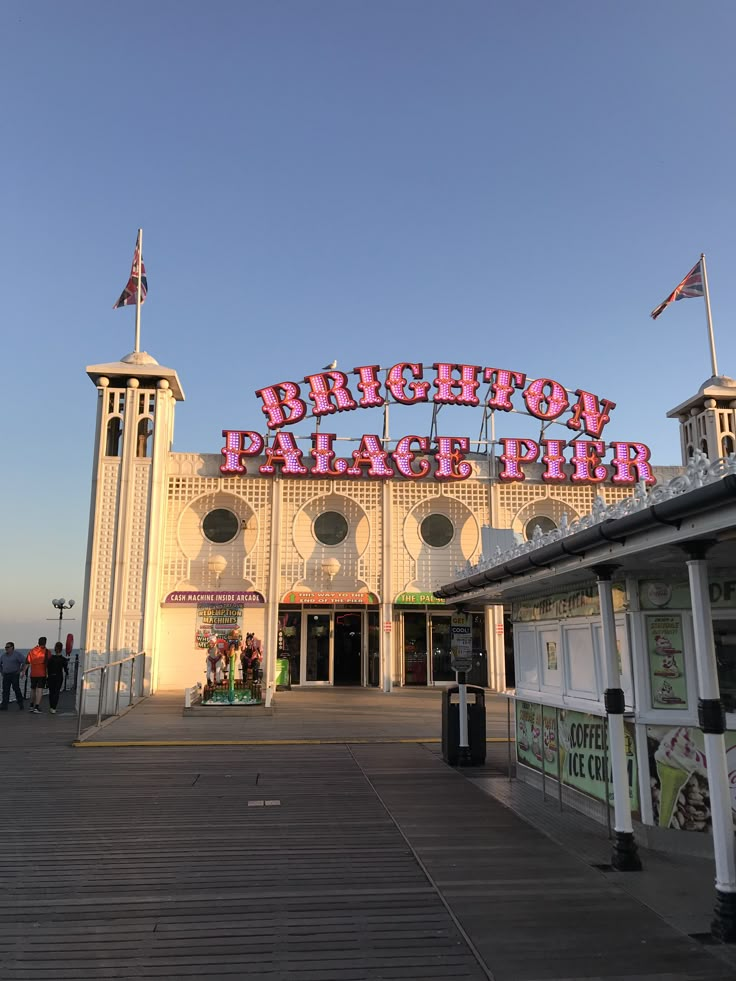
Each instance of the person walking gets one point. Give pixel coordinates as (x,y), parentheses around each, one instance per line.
(37,662)
(11,663)
(57,668)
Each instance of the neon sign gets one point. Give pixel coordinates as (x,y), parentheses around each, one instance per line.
(285,404)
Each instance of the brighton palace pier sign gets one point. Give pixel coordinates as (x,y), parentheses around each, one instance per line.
(452,384)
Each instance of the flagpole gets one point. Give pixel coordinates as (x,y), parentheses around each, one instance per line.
(138,293)
(706,294)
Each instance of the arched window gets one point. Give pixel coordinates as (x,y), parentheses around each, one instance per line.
(728,445)
(114,432)
(145,432)
(540,521)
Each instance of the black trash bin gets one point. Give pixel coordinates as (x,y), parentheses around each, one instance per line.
(476,698)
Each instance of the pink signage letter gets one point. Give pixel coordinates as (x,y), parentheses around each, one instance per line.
(555,399)
(586,459)
(369,385)
(404,457)
(516,451)
(284,451)
(235,449)
(451,462)
(329,386)
(276,398)
(594,415)
(445,383)
(370,452)
(554,459)
(630,463)
(323,455)
(503,383)
(395,383)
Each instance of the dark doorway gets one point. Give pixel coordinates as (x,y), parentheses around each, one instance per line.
(347,648)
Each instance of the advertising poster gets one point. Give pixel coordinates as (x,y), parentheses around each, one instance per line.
(678,775)
(666,662)
(577,744)
(551,655)
(217,620)
(529,734)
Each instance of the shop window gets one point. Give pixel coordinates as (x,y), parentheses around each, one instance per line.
(540,521)
(220,526)
(724,635)
(331,528)
(436,530)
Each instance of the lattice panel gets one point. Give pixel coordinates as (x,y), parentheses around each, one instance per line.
(416,566)
(359,556)
(208,493)
(137,537)
(104,537)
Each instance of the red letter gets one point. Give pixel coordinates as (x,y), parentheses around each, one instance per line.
(323,454)
(503,383)
(554,459)
(395,383)
(468,383)
(274,403)
(594,417)
(451,463)
(630,468)
(587,454)
(403,457)
(322,393)
(513,455)
(369,385)
(235,449)
(556,401)
(286,452)
(370,452)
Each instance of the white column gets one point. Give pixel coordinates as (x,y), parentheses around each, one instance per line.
(388,641)
(712,722)
(625,856)
(274,592)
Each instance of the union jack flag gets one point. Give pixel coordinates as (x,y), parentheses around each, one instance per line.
(130,293)
(692,285)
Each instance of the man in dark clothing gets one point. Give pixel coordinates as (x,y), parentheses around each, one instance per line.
(57,668)
(11,663)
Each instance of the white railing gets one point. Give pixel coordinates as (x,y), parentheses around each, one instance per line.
(192,694)
(108,682)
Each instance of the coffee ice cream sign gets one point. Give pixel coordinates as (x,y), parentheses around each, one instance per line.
(331,392)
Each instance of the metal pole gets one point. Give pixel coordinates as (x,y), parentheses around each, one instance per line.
(608,792)
(541,749)
(132,677)
(103,675)
(559,760)
(706,293)
(81,707)
(117,688)
(508,733)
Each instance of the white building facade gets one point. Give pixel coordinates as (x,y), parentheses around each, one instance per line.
(332,564)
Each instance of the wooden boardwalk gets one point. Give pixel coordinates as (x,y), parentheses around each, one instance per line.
(332,862)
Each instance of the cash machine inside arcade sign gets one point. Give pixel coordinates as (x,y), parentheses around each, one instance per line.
(330,392)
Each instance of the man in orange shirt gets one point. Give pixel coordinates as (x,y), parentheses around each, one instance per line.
(37,662)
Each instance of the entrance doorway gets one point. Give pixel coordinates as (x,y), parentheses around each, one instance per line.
(331,646)
(348,649)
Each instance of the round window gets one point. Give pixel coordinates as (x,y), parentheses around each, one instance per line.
(542,522)
(220,526)
(436,530)
(331,528)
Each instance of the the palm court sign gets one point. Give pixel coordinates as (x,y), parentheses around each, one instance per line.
(285,404)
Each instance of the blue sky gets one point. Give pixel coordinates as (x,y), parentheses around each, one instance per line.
(483,182)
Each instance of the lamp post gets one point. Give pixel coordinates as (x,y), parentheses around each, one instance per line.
(61,605)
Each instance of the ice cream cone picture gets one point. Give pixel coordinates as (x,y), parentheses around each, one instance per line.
(677,759)
(671,782)
(666,696)
(537,742)
(668,668)
(663,645)
(523,736)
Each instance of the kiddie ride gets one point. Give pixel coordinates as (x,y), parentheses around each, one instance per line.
(230,690)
